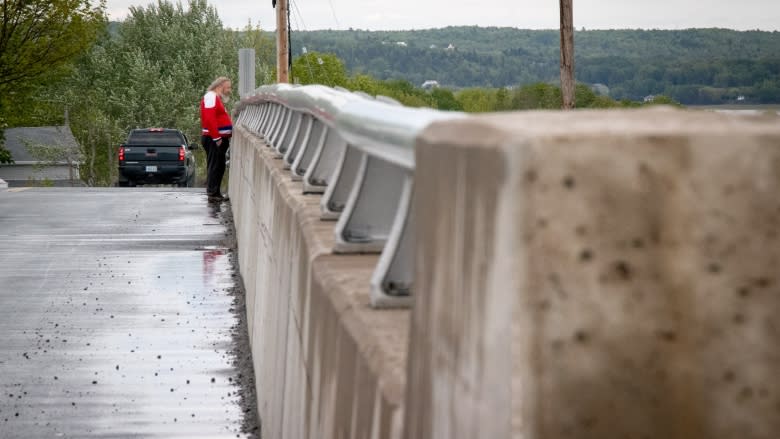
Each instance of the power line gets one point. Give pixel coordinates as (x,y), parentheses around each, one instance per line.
(333,10)
(300,17)
(298,11)
(306,58)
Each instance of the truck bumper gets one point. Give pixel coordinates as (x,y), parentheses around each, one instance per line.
(152,173)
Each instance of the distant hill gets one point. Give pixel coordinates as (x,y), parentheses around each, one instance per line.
(696,66)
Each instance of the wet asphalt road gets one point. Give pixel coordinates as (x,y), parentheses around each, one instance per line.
(118,316)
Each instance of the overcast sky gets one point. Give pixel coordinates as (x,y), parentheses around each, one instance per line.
(530,14)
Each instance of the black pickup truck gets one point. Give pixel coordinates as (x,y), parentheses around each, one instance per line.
(156,156)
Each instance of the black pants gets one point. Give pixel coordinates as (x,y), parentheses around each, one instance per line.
(215,163)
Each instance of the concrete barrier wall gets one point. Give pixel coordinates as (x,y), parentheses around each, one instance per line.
(596,275)
(582,274)
(326,364)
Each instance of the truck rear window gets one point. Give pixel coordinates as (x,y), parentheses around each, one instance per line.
(159,138)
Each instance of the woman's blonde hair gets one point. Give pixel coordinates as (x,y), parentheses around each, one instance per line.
(217,82)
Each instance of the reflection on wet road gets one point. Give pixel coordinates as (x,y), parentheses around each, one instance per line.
(117,316)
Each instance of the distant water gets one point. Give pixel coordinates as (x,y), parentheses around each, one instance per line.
(744,110)
(747,112)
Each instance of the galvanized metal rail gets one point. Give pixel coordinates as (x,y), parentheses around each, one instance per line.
(358,151)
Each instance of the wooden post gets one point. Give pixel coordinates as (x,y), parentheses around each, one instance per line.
(282,42)
(567,54)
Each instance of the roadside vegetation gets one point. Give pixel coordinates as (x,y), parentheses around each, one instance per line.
(147,71)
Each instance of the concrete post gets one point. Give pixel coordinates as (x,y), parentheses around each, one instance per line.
(246,72)
(597,274)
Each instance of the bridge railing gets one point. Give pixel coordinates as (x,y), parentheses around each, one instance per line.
(358,152)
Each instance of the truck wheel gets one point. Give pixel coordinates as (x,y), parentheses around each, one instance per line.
(122,183)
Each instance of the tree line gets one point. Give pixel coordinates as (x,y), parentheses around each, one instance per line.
(329,69)
(695,67)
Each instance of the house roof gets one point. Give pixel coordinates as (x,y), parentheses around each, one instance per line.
(15,139)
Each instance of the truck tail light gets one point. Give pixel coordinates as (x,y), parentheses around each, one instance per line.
(121,153)
(182,151)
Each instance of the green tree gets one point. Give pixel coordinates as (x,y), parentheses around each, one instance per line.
(584,97)
(502,100)
(406,93)
(39,37)
(319,68)
(476,100)
(445,100)
(364,83)
(38,41)
(603,102)
(5,155)
(537,96)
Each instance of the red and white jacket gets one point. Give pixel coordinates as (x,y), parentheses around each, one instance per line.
(214,119)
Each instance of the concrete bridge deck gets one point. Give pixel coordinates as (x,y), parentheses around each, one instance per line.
(119,316)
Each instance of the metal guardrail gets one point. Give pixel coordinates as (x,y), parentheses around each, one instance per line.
(358,151)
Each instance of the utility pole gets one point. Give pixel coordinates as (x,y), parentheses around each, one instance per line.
(282,42)
(567,54)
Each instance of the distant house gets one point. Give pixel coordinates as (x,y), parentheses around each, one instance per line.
(401,43)
(649,98)
(740,98)
(450,48)
(430,84)
(42,156)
